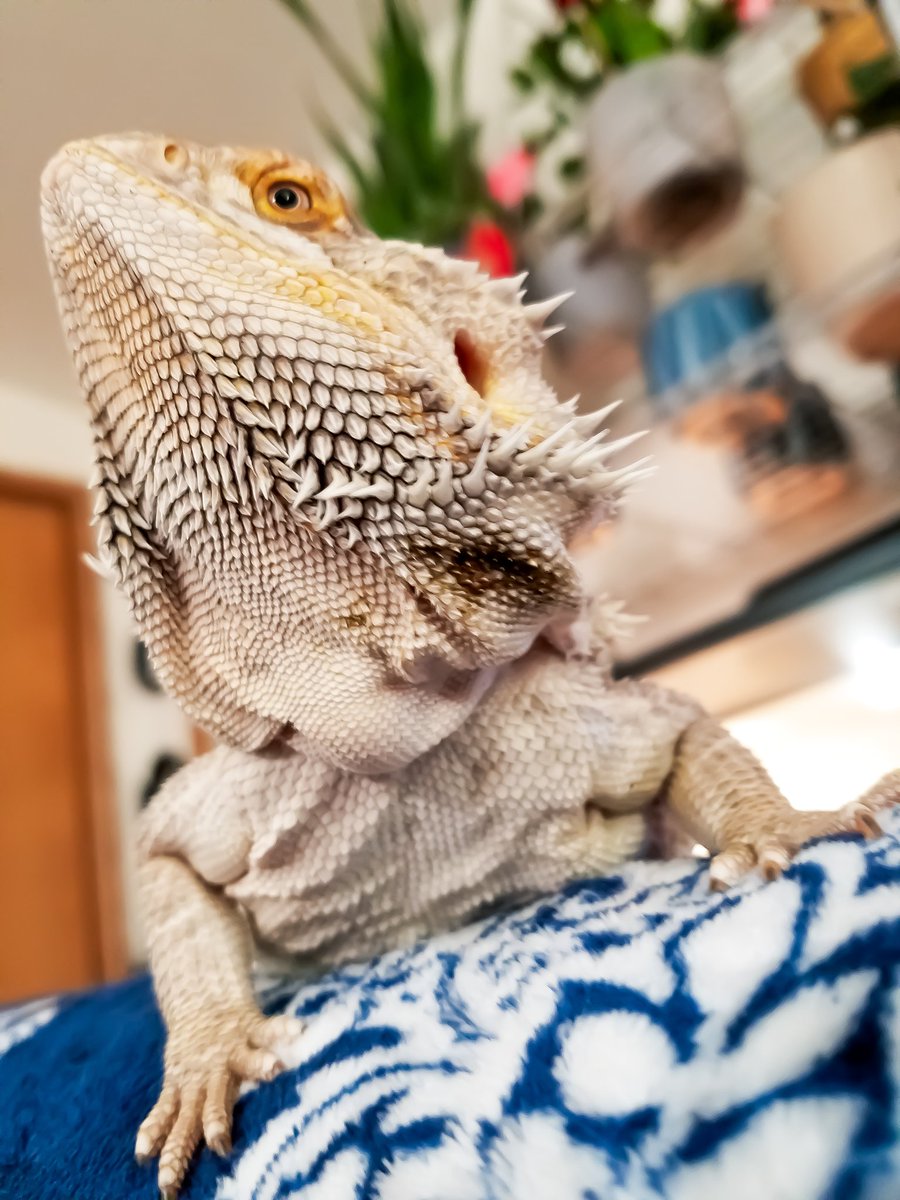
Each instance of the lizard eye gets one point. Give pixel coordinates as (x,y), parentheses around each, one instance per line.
(279,196)
(289,196)
(293,193)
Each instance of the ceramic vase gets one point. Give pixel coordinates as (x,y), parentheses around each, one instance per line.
(664,153)
(838,232)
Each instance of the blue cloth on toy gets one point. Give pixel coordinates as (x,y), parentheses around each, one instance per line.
(634,1037)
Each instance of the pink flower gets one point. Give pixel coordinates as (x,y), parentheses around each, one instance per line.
(751,11)
(509,179)
(488,245)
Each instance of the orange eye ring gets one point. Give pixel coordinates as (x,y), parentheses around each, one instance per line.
(288,197)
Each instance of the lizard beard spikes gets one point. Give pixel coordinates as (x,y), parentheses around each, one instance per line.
(285,418)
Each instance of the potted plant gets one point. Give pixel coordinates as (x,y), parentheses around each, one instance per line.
(854,70)
(418,177)
(662,149)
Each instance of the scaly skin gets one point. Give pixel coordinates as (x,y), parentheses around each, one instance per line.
(328,536)
(342,503)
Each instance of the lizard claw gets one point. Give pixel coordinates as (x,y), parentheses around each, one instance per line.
(772,849)
(730,865)
(205,1066)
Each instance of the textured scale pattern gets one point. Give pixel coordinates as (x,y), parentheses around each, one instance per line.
(551,779)
(634,1038)
(344,506)
(282,425)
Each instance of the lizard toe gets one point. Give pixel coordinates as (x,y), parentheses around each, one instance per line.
(205,1067)
(773,858)
(731,864)
(218,1112)
(156,1125)
(182,1141)
(269,1033)
(255,1065)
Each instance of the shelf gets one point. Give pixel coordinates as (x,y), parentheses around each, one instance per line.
(872,557)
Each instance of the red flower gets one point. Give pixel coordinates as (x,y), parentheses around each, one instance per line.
(509,179)
(488,245)
(562,5)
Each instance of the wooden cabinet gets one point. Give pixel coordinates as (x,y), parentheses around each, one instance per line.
(60,910)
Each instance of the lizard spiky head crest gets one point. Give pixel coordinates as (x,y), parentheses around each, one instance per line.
(255,360)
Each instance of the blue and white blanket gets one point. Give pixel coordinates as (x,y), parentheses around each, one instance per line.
(635,1037)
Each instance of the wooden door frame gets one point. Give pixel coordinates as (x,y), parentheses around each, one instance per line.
(95,775)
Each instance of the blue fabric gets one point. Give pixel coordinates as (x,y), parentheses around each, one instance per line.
(699,329)
(634,1037)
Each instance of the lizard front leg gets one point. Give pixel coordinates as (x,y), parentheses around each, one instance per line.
(195,839)
(199,946)
(726,799)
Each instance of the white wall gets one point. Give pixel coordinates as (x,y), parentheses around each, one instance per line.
(825,745)
(237,71)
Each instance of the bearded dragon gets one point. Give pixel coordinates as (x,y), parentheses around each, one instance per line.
(343,504)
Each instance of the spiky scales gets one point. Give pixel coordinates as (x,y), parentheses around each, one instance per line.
(360,426)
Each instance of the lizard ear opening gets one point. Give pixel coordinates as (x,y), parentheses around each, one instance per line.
(472,362)
(175,155)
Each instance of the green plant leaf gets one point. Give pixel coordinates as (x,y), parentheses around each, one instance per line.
(532,208)
(523,79)
(868,80)
(417,180)
(628,32)
(572,167)
(709,29)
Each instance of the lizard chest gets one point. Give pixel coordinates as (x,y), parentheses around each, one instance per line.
(632,749)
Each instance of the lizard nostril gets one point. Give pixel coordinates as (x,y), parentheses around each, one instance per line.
(175,155)
(472,362)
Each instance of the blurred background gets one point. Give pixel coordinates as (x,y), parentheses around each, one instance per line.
(719,185)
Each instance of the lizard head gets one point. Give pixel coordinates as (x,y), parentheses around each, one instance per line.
(252,356)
